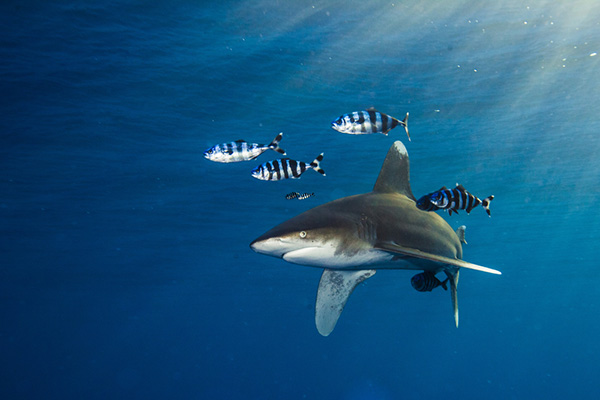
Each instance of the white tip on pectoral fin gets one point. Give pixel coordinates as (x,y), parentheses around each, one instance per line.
(397,249)
(334,289)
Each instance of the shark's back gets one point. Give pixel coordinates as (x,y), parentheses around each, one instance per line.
(391,206)
(392,218)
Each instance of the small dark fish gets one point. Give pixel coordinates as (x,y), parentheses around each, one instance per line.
(299,196)
(426,282)
(285,168)
(305,196)
(241,150)
(453,200)
(370,121)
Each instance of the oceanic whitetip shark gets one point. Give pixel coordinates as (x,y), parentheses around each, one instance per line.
(353,236)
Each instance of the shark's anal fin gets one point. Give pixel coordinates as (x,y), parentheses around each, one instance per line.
(394,176)
(334,289)
(406,251)
(453,279)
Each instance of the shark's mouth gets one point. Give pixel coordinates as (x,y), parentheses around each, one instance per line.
(286,249)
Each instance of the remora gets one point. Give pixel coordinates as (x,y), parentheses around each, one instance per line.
(353,236)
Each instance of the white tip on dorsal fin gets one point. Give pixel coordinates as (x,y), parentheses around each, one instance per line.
(394,176)
(334,289)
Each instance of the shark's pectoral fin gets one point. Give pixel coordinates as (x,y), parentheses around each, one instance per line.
(406,251)
(334,289)
(453,278)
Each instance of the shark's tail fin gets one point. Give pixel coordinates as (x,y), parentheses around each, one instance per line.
(485,203)
(316,164)
(274,145)
(453,277)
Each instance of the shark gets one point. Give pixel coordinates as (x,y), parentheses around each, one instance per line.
(352,237)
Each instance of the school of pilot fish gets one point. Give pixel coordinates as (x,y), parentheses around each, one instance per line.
(353,123)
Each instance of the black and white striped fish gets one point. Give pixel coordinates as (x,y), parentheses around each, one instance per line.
(370,121)
(241,150)
(453,200)
(426,282)
(298,195)
(285,168)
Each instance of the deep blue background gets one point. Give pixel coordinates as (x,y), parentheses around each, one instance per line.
(125,270)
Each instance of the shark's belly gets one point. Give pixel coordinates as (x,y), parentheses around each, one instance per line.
(328,257)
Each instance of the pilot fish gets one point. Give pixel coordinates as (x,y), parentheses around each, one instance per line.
(426,282)
(453,200)
(370,121)
(241,150)
(298,195)
(285,168)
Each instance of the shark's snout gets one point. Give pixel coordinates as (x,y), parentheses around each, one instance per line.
(271,247)
(289,248)
(257,245)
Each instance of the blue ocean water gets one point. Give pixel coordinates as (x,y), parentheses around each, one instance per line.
(125,270)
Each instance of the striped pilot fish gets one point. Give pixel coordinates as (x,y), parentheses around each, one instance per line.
(426,282)
(453,200)
(285,168)
(370,121)
(298,195)
(241,150)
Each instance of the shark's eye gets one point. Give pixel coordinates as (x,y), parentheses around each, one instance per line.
(302,234)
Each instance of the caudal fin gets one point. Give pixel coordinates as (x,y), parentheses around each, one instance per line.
(316,164)
(443,284)
(274,145)
(485,203)
(452,275)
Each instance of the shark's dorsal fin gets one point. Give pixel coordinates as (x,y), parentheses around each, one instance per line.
(334,289)
(394,176)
